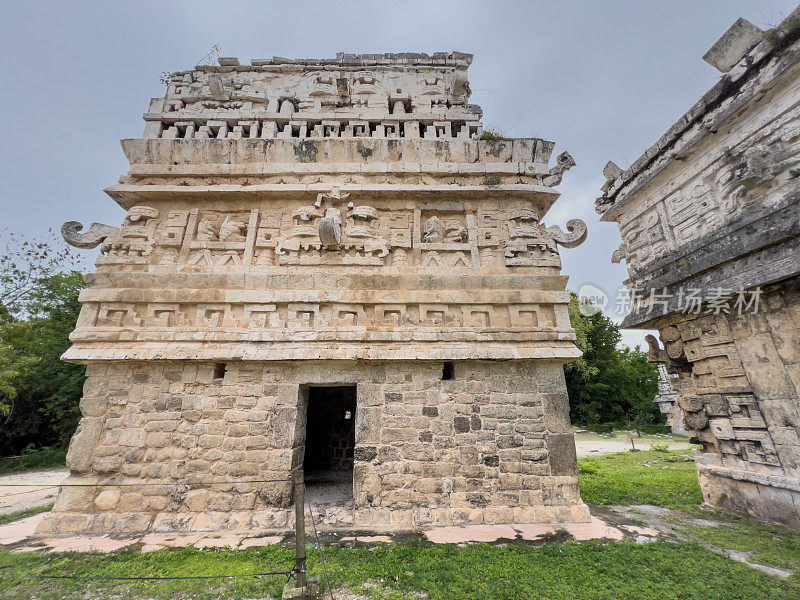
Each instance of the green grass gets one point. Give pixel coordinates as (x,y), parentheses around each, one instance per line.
(570,570)
(770,545)
(667,479)
(585,571)
(417,569)
(130,562)
(22,514)
(46,458)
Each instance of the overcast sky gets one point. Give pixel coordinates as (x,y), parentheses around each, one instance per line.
(602,79)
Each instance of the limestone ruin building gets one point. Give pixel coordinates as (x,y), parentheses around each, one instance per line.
(322,264)
(710,227)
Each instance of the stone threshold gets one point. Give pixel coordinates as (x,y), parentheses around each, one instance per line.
(776,481)
(278,521)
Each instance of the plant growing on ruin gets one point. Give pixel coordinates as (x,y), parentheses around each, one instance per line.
(209,59)
(492,135)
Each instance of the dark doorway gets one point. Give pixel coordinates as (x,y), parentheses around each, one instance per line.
(330,441)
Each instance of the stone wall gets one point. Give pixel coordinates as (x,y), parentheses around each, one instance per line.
(491,445)
(738,391)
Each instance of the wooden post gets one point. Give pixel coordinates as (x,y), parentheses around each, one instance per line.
(300,528)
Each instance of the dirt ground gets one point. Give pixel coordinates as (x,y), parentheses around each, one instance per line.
(21,491)
(592,444)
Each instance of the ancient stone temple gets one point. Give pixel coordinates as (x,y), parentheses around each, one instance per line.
(667,399)
(710,225)
(324,265)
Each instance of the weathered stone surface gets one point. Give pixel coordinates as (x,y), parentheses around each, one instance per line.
(666,399)
(711,212)
(107,499)
(81,447)
(737,41)
(337,225)
(561,453)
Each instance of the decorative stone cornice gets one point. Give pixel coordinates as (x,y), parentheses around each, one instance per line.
(775,54)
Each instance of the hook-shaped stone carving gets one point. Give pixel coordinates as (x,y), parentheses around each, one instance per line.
(575,237)
(91,238)
(671,356)
(564,162)
(619,254)
(656,354)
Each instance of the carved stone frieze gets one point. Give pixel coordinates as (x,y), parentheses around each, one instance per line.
(322,234)
(130,243)
(712,197)
(282,315)
(332,231)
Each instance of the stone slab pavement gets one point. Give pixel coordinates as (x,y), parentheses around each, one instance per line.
(19,536)
(642,524)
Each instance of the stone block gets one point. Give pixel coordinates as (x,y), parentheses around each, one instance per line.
(130,502)
(132,437)
(733,45)
(561,454)
(158,439)
(555,408)
(107,499)
(93,406)
(76,499)
(81,447)
(461,424)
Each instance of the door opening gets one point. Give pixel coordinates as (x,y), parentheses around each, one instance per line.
(330,442)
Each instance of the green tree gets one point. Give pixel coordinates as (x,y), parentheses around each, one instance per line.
(609,384)
(39,306)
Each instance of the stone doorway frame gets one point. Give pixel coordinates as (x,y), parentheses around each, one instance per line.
(301,428)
